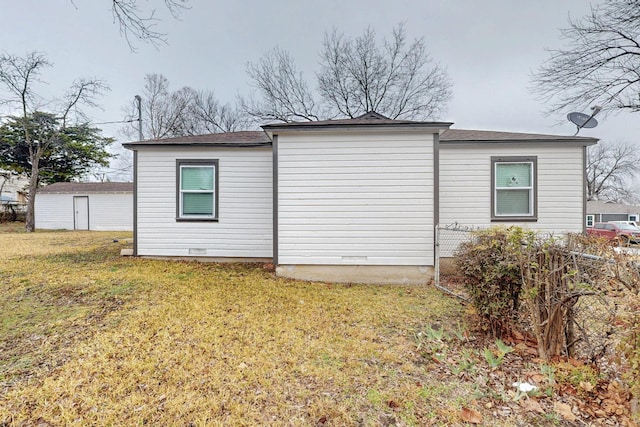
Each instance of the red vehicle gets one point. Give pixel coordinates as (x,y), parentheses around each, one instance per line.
(626,233)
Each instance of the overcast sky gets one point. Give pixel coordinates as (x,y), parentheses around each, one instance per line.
(489,47)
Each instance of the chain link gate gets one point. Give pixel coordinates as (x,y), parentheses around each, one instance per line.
(447,240)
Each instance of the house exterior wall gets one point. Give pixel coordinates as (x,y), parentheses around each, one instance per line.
(107,211)
(465,185)
(244,228)
(347,199)
(13,188)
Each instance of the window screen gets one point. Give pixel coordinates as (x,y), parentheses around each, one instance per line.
(513,188)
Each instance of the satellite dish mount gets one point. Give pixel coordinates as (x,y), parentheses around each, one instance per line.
(582,120)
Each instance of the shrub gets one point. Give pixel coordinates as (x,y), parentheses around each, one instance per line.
(630,347)
(491,268)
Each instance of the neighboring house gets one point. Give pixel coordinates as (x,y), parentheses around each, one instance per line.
(598,211)
(13,196)
(353,200)
(85,206)
(13,188)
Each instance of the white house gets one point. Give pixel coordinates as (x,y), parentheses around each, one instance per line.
(353,200)
(98,206)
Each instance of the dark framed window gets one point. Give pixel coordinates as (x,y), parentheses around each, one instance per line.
(514,188)
(197,190)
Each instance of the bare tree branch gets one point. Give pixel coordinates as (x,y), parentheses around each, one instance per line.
(167,113)
(395,78)
(18,74)
(609,170)
(284,94)
(136,23)
(82,91)
(599,66)
(209,116)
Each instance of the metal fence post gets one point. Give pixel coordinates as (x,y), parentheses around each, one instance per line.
(436,273)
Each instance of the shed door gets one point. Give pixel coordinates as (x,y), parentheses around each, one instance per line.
(81,212)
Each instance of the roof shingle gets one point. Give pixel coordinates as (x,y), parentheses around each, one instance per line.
(87,187)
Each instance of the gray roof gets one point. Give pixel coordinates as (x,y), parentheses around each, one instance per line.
(368,119)
(227,139)
(600,207)
(465,135)
(87,187)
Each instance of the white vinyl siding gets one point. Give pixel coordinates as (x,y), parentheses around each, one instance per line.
(364,199)
(465,185)
(245,220)
(107,211)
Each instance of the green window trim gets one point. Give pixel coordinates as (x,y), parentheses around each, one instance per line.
(197,190)
(514,190)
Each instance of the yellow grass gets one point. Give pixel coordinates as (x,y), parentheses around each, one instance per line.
(90,338)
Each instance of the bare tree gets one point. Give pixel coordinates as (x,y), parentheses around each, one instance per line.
(186,111)
(164,112)
(610,168)
(601,63)
(283,93)
(139,23)
(210,116)
(18,75)
(396,78)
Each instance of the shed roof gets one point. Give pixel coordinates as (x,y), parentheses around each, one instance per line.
(87,187)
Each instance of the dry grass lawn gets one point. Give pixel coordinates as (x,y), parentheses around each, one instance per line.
(90,338)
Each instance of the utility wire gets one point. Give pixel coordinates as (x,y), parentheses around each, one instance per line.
(119,121)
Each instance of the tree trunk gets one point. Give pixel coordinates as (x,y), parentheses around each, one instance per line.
(30,220)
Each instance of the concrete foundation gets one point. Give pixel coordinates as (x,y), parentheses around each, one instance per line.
(366,274)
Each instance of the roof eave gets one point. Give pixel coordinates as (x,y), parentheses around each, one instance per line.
(583,141)
(130,145)
(272,129)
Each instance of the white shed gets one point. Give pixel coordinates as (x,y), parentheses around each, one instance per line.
(97,206)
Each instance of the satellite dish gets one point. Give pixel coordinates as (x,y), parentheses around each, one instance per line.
(582,120)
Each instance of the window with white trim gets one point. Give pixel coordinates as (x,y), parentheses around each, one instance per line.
(197,190)
(591,219)
(513,188)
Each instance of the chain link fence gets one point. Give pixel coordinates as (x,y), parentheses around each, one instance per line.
(595,292)
(448,238)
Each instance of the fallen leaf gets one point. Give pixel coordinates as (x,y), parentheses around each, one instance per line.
(586,386)
(470,416)
(564,411)
(538,378)
(532,405)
